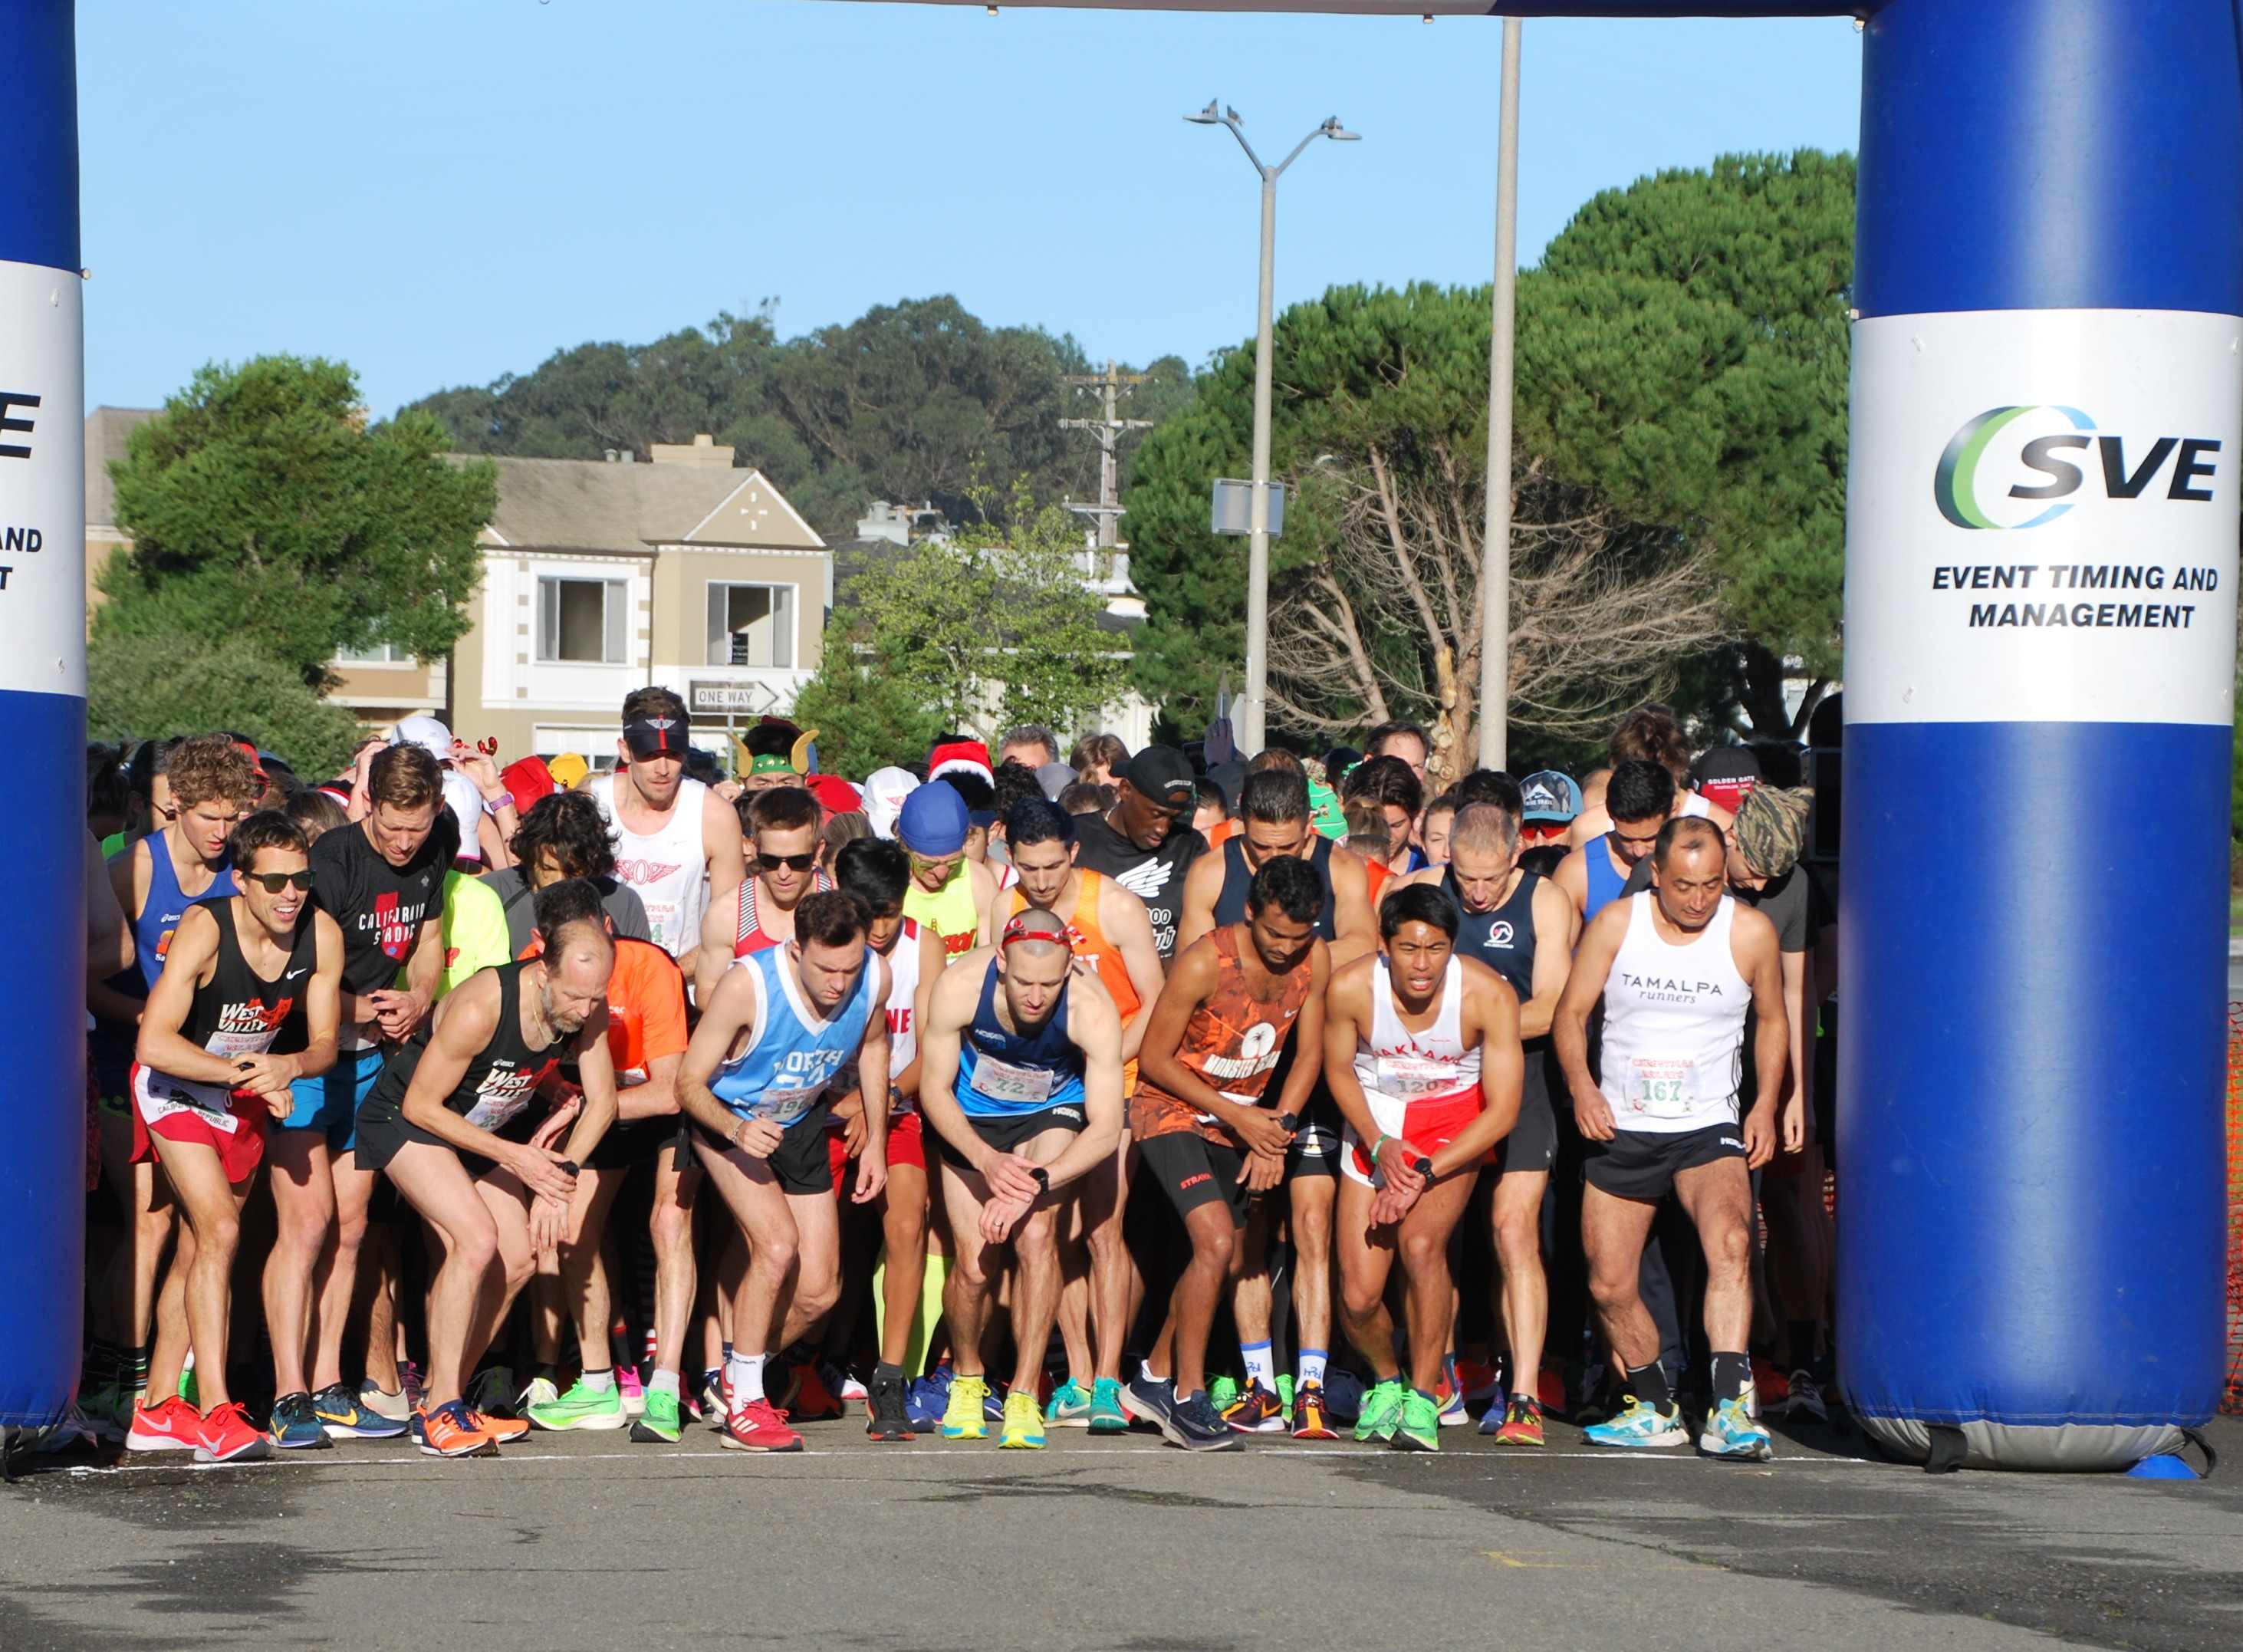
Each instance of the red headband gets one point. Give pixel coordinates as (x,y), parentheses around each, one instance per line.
(1017,929)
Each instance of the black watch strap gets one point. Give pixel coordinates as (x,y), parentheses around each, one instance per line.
(1043,1178)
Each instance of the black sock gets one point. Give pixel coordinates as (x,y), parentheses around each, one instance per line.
(132,1365)
(884,1371)
(1800,1334)
(1731,1372)
(1648,1383)
(549,1371)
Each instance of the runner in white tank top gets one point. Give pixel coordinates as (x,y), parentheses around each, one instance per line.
(1675,1026)
(1677,967)
(1425,1106)
(1406,1074)
(669,868)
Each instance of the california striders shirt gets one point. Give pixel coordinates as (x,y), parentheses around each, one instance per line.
(380,907)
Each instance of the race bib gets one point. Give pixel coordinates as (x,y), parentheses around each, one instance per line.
(785,1107)
(1015,1086)
(162,1096)
(1659,1087)
(1414,1077)
(491,1112)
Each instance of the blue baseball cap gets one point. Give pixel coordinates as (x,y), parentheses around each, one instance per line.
(1549,796)
(933,821)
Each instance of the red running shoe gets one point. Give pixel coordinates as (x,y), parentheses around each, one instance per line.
(227,1438)
(170,1425)
(757,1425)
(811,1400)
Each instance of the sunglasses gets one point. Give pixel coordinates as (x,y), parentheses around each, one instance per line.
(273,882)
(770,862)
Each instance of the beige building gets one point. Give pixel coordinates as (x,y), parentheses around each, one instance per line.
(598,577)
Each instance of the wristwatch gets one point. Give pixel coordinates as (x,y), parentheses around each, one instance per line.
(1290,1122)
(571,1166)
(503,800)
(1043,1178)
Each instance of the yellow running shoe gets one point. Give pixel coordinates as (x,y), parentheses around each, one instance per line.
(962,1418)
(1024,1422)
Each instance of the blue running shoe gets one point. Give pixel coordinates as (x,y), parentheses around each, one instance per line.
(1343,1394)
(1070,1405)
(344,1417)
(1731,1432)
(925,1398)
(295,1424)
(1449,1396)
(1640,1426)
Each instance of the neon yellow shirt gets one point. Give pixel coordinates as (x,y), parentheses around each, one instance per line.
(474,930)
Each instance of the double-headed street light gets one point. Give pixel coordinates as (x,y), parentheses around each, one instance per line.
(1253,726)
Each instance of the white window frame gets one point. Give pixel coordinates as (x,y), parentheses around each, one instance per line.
(784,642)
(615,619)
(390,657)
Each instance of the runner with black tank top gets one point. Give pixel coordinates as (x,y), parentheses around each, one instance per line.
(1275,823)
(436,1125)
(1677,967)
(1521,927)
(155,879)
(204,1082)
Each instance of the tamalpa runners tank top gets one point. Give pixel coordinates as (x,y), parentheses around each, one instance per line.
(1674,1025)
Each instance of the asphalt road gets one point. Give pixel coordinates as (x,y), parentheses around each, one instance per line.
(585,1541)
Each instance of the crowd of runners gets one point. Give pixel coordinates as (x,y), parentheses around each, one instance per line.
(445,1102)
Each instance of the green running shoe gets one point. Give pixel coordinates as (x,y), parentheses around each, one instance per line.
(1070,1405)
(1107,1416)
(582,1407)
(1222,1392)
(1419,1428)
(1285,1398)
(1381,1413)
(660,1422)
(187,1389)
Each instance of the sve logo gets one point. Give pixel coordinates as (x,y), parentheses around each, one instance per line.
(2001,444)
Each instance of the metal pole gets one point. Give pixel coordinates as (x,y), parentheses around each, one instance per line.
(1254,727)
(1495,545)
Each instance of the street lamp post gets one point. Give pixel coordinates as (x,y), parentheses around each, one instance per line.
(1253,726)
(1495,543)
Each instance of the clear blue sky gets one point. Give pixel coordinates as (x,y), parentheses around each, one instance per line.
(439,190)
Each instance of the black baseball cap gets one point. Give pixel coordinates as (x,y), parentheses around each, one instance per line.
(1164,776)
(653,737)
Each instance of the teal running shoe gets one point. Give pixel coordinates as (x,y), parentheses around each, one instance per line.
(1638,1426)
(1730,1431)
(1107,1416)
(1070,1405)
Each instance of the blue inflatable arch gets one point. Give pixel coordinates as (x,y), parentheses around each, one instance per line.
(2042,529)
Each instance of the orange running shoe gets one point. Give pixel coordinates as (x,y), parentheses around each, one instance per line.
(169,1424)
(499,1428)
(449,1431)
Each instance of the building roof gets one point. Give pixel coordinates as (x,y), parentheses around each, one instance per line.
(106,429)
(586,504)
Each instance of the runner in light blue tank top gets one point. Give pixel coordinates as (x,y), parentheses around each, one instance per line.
(796,1053)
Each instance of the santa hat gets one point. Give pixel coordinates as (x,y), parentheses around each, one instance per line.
(960,757)
(836,794)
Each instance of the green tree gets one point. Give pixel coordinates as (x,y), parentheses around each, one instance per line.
(1682,348)
(1381,433)
(910,401)
(262,508)
(154,685)
(993,628)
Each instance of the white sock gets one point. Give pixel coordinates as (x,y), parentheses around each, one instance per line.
(598,1382)
(745,1372)
(665,1382)
(1312,1367)
(1260,1364)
